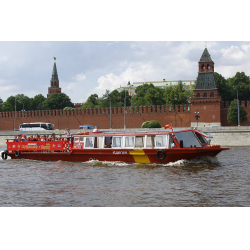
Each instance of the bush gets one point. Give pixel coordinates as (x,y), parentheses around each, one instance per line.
(151,124)
(145,124)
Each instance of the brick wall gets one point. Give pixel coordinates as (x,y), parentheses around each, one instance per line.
(212,110)
(101,117)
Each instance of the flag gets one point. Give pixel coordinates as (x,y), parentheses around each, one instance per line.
(168,126)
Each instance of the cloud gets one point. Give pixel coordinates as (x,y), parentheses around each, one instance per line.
(80,77)
(110,82)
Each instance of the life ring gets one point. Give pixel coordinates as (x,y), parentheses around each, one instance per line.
(17,153)
(4,155)
(161,152)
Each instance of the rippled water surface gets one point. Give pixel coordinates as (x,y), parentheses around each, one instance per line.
(221,181)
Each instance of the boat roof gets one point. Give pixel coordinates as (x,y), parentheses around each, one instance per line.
(122,133)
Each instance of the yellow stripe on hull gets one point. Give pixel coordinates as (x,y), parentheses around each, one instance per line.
(139,156)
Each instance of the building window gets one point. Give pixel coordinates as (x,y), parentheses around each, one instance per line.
(208,84)
(208,66)
(205,95)
(212,94)
(202,66)
(198,95)
(201,84)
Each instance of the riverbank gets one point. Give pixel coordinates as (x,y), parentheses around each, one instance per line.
(224,136)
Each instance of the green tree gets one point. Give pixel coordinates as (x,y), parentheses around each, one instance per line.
(232,115)
(241,82)
(92,102)
(146,95)
(1,104)
(178,94)
(225,90)
(151,124)
(37,102)
(21,101)
(57,101)
(117,99)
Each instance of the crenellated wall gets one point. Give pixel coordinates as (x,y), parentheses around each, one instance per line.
(100,117)
(212,111)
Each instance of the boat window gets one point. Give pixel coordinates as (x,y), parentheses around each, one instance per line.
(81,138)
(129,141)
(150,141)
(201,138)
(117,142)
(89,142)
(160,141)
(108,142)
(76,139)
(188,139)
(139,141)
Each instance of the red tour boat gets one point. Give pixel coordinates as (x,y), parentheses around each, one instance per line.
(131,147)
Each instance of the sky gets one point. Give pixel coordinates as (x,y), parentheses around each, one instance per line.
(91,67)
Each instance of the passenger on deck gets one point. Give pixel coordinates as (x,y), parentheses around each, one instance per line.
(67,132)
(95,129)
(16,139)
(59,137)
(31,138)
(24,138)
(53,137)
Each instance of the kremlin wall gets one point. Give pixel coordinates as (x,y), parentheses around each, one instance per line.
(211,114)
(207,101)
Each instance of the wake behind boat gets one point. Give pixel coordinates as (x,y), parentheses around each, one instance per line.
(131,147)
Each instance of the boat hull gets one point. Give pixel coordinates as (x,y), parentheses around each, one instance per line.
(128,156)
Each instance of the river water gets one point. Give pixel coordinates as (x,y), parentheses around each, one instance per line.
(223,181)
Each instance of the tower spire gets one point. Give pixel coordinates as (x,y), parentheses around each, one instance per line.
(54,81)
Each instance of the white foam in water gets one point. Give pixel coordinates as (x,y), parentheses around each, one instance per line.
(109,163)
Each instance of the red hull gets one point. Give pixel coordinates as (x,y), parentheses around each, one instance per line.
(129,156)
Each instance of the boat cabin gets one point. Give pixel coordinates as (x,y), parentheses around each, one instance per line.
(130,140)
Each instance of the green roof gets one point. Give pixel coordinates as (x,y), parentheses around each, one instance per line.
(203,79)
(205,56)
(54,73)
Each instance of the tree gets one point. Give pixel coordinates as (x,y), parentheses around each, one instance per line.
(232,115)
(225,90)
(57,101)
(151,124)
(117,99)
(37,102)
(92,102)
(146,95)
(241,82)
(1,104)
(175,95)
(21,101)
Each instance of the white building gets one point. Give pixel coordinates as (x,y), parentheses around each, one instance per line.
(160,84)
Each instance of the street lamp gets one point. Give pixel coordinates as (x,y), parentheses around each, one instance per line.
(125,110)
(238,106)
(197,116)
(15,115)
(22,110)
(110,111)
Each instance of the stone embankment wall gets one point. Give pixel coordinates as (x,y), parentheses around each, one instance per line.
(224,136)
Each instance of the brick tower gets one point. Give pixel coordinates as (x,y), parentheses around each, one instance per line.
(206,99)
(54,82)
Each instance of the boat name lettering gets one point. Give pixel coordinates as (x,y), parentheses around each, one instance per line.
(120,152)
